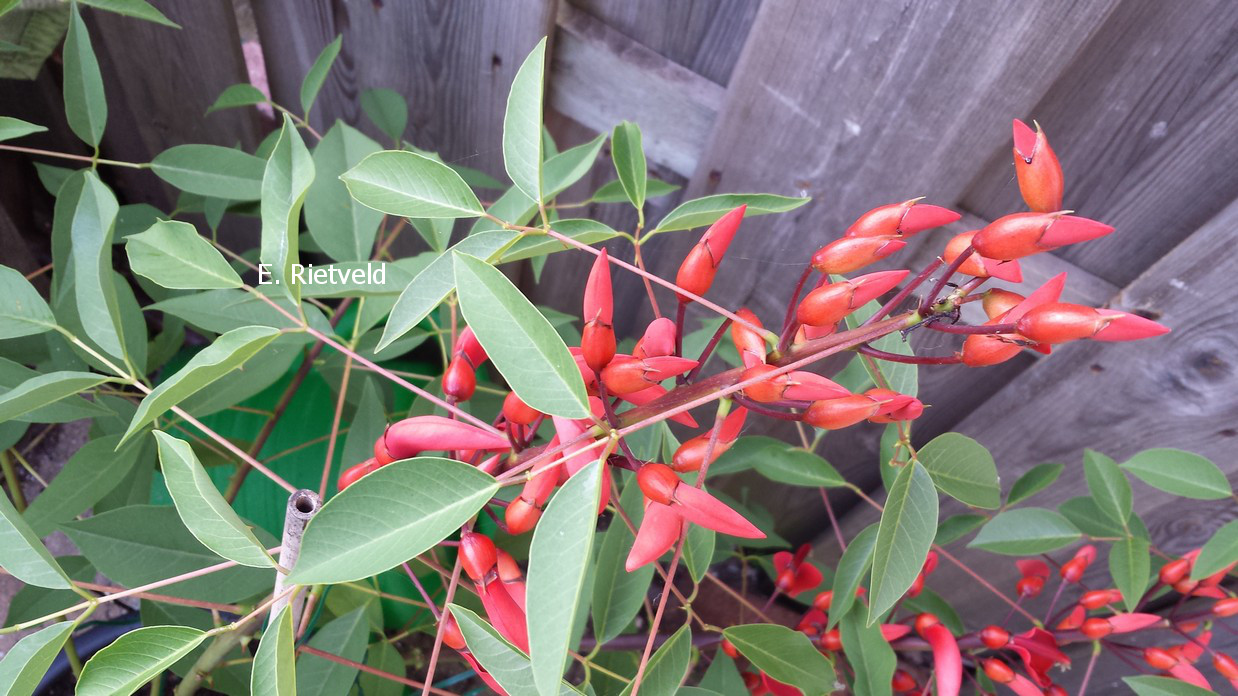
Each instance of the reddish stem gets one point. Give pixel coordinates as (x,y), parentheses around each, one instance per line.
(971,330)
(909,359)
(931,298)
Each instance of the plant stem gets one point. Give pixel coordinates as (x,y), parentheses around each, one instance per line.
(425,686)
(971,330)
(657,616)
(931,299)
(908,359)
(640,263)
(829,511)
(79,158)
(335,429)
(789,318)
(438,634)
(680,312)
(14,484)
(764,411)
(904,292)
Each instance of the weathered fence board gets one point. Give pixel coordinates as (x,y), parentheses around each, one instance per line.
(453,61)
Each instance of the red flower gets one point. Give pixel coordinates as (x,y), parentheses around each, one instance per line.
(691,454)
(696,273)
(597,342)
(901,219)
(830,303)
(794,574)
(1039,651)
(1037,168)
(626,374)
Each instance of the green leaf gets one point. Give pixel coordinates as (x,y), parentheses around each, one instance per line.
(582,230)
(133,8)
(668,666)
(522,124)
(388,517)
(23,556)
(558,560)
(722,677)
(139,544)
(509,667)
(956,527)
(698,550)
(785,655)
(89,474)
(346,637)
(23,312)
(870,655)
(135,658)
(387,109)
(852,567)
(436,281)
(1108,486)
(567,167)
(706,211)
(43,390)
(85,106)
(32,602)
(24,665)
(613,192)
(1163,686)
(1025,532)
(226,354)
(385,658)
(1130,566)
(94,219)
(523,345)
(274,672)
(908,525)
(1033,481)
(221,311)
(13,375)
(318,74)
(398,182)
(342,227)
(617,594)
(1182,473)
(288,175)
(203,510)
(240,94)
(963,469)
(629,158)
(174,255)
(796,467)
(15,128)
(1220,552)
(212,171)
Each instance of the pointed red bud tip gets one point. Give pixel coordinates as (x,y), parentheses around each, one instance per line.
(626,375)
(769,389)
(1030,587)
(1123,326)
(658,482)
(901,219)
(699,507)
(696,273)
(1037,169)
(997,302)
(1133,621)
(1099,598)
(411,436)
(1226,607)
(853,253)
(1225,666)
(823,600)
(719,235)
(870,286)
(894,407)
(467,344)
(459,381)
(691,454)
(1159,658)
(998,671)
(1060,322)
(1174,571)
(517,411)
(1072,570)
(521,516)
(903,682)
(350,475)
(825,305)
(980,266)
(947,661)
(1186,672)
(831,640)
(478,555)
(451,633)
(659,339)
(659,530)
(1023,234)
(810,386)
(1032,567)
(748,343)
(1096,628)
(1073,620)
(597,345)
(835,414)
(994,637)
(599,303)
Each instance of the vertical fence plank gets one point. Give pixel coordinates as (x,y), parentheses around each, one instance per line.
(453,62)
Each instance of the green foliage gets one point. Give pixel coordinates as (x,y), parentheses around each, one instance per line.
(1025,532)
(85,106)
(135,658)
(908,525)
(274,672)
(783,654)
(963,469)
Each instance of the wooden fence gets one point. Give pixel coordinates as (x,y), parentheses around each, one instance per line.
(854,103)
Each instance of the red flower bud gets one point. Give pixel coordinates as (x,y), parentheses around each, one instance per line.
(1023,234)
(1073,570)
(1225,666)
(834,414)
(998,671)
(1096,628)
(598,304)
(657,482)
(828,304)
(832,640)
(767,391)
(902,681)
(659,339)
(451,633)
(823,600)
(597,345)
(1037,168)
(691,454)
(350,475)
(995,637)
(853,253)
(411,436)
(1226,607)
(696,273)
(894,407)
(658,532)
(521,516)
(478,555)
(1073,620)
(467,344)
(459,381)
(1159,659)
(947,661)
(977,265)
(517,411)
(1173,571)
(901,219)
(748,343)
(983,350)
(997,302)
(1099,598)
(729,648)
(626,375)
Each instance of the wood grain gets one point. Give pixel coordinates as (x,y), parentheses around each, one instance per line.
(453,61)
(600,77)
(1138,121)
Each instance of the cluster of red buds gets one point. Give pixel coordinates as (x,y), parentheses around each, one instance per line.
(645,381)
